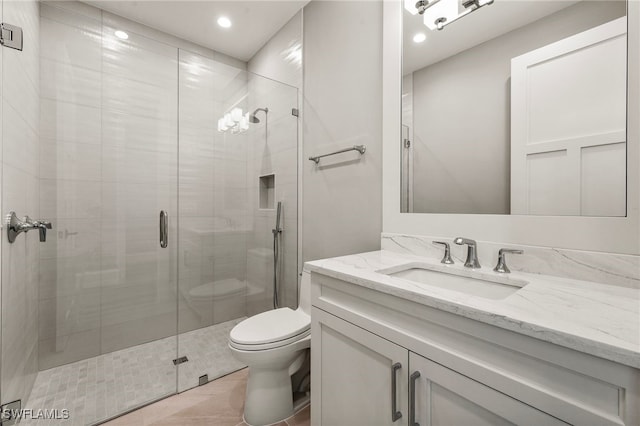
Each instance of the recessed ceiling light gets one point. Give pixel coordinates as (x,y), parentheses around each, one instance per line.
(121,35)
(419,38)
(224,22)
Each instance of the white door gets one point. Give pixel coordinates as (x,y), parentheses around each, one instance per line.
(354,374)
(568,125)
(446,398)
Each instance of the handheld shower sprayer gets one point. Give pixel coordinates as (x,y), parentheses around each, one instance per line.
(276,254)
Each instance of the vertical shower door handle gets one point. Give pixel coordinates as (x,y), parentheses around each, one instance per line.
(164,229)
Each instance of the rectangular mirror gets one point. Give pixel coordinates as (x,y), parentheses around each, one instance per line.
(514,107)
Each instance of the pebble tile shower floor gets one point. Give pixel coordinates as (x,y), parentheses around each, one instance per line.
(101,387)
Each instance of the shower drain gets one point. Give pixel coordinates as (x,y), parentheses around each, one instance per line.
(180,360)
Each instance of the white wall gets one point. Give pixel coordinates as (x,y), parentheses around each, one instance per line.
(20,172)
(281,57)
(342,107)
(462,114)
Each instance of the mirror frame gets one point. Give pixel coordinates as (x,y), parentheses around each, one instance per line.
(602,234)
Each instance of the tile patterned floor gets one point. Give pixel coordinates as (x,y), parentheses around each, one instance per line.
(218,403)
(107,385)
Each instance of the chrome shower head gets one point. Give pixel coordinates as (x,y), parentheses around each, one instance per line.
(253,118)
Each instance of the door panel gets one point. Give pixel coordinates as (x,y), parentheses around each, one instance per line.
(444,398)
(568,130)
(356,380)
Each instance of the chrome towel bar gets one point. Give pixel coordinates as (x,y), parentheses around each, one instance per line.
(360,148)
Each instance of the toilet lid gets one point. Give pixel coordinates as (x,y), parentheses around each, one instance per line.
(271,326)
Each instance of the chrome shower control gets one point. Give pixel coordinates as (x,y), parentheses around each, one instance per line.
(16,226)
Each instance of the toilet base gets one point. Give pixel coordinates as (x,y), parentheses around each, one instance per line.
(268,404)
(269,395)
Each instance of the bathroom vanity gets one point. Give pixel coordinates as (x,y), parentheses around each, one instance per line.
(392,346)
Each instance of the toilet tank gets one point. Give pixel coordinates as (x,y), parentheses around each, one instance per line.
(305,293)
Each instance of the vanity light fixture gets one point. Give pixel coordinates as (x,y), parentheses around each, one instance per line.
(235,121)
(121,35)
(419,37)
(224,22)
(437,14)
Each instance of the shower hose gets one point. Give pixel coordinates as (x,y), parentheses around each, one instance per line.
(276,256)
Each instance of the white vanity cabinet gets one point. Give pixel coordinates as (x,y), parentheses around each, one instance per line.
(449,370)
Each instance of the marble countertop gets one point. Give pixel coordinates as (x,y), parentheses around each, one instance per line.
(598,319)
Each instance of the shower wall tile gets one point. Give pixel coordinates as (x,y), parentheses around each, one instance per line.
(74,39)
(68,122)
(138,133)
(20,267)
(140,99)
(16,131)
(120,164)
(122,201)
(66,349)
(70,199)
(69,83)
(69,161)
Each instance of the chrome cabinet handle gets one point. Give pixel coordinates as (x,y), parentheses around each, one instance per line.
(395,414)
(164,229)
(412,398)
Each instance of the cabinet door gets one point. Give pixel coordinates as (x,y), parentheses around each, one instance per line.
(445,398)
(353,374)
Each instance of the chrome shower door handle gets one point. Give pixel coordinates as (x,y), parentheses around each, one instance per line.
(412,398)
(395,414)
(164,229)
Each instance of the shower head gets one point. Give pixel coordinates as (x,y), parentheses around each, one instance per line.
(253,118)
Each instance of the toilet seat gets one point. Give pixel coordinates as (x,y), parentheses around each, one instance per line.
(271,329)
(218,289)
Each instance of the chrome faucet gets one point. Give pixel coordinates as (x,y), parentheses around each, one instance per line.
(446,258)
(501,267)
(16,226)
(472,252)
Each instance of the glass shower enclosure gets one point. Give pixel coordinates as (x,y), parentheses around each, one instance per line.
(161,188)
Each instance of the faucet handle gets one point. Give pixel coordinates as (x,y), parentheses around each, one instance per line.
(446,259)
(501,267)
(42,227)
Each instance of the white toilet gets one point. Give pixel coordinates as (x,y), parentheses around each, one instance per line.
(274,344)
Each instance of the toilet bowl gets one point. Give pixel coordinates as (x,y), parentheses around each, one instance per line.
(219,301)
(274,344)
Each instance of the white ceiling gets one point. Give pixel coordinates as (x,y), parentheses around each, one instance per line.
(479,26)
(253,22)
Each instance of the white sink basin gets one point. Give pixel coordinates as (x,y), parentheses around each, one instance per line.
(489,285)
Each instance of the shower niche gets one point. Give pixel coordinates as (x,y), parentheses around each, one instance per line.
(267,192)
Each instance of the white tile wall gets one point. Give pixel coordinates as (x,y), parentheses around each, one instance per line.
(280,60)
(111,157)
(20,164)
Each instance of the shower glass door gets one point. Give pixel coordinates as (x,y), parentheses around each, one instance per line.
(231,179)
(89,317)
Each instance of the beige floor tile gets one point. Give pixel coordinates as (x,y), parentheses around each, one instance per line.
(301,418)
(132,419)
(219,403)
